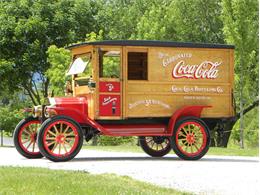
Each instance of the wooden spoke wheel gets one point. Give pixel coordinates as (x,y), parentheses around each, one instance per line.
(25,135)
(156,146)
(191,138)
(60,138)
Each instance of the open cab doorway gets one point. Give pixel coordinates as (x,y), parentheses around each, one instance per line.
(109,95)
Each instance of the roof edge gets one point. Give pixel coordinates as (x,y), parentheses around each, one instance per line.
(153,43)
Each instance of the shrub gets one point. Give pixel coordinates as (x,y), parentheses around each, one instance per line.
(115,141)
(9,118)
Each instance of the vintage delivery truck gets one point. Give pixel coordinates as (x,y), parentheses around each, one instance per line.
(169,94)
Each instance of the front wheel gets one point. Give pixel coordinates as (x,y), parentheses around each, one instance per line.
(60,138)
(191,138)
(156,146)
(24,137)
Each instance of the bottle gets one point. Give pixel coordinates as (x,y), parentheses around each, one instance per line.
(113,107)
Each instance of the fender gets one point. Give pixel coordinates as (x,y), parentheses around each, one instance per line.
(183,112)
(79,117)
(70,112)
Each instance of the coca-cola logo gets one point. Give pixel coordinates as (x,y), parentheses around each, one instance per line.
(108,100)
(205,70)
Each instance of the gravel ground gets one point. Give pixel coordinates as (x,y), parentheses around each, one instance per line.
(210,175)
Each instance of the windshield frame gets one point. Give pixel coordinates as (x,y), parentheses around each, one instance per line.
(80,56)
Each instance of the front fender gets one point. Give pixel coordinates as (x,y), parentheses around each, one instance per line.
(72,113)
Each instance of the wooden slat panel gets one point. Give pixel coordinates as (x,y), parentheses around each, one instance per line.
(163,94)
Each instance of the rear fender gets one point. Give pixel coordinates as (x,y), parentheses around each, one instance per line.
(194,111)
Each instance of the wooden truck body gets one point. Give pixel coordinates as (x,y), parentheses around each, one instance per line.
(158,79)
(163,91)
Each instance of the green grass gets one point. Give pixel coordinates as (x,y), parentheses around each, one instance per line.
(230,151)
(233,151)
(15,180)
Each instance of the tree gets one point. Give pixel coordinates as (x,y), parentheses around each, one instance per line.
(27,29)
(240,19)
(11,110)
(154,23)
(182,20)
(59,58)
(118,18)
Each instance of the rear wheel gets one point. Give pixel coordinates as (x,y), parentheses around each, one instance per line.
(60,138)
(25,135)
(156,146)
(191,138)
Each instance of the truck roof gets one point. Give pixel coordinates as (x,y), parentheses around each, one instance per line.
(153,44)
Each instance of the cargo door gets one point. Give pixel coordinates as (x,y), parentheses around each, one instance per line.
(110,83)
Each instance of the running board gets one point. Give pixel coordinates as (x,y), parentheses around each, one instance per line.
(135,130)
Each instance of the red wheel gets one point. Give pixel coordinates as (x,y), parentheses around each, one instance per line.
(191,138)
(25,138)
(60,138)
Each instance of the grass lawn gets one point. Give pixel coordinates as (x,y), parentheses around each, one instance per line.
(230,151)
(15,180)
(233,151)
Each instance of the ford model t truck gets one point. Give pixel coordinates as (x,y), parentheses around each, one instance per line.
(169,94)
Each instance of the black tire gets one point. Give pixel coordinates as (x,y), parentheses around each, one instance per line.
(48,127)
(17,138)
(148,143)
(190,139)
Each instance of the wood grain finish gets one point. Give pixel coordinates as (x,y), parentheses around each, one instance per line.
(162,94)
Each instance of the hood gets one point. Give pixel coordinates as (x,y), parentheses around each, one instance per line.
(67,101)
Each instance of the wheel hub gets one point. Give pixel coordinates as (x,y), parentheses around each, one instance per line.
(60,139)
(158,140)
(190,138)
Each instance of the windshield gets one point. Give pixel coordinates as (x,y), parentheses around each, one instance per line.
(79,65)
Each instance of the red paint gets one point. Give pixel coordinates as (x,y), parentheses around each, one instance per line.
(109,105)
(74,107)
(135,130)
(190,138)
(32,138)
(183,112)
(113,87)
(59,139)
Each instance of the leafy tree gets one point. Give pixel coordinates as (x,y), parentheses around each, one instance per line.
(11,110)
(196,20)
(154,24)
(182,20)
(118,18)
(251,130)
(59,58)
(240,18)
(27,29)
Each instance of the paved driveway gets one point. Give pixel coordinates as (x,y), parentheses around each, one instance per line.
(211,175)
